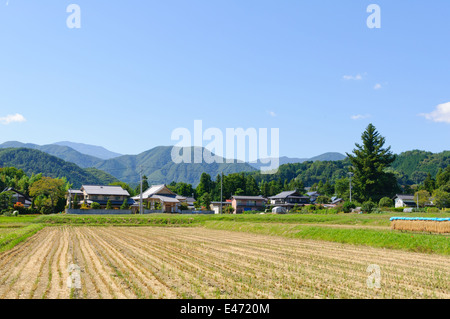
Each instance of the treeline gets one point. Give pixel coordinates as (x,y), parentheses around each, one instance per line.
(47,193)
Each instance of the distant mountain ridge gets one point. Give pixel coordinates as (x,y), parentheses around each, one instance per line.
(158,166)
(33,161)
(65,153)
(92,150)
(156,163)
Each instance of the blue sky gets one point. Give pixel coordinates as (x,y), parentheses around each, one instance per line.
(137,70)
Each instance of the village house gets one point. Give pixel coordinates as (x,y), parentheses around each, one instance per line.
(404,201)
(88,194)
(313,196)
(160,197)
(18,197)
(248,203)
(289,199)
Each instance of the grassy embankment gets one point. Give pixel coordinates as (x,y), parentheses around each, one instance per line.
(14,230)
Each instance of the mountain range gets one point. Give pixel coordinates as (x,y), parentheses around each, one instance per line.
(61,160)
(156,163)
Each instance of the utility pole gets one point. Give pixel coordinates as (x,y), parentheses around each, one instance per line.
(141,204)
(417,201)
(350,174)
(221,192)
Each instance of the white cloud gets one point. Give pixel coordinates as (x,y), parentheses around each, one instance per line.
(357,77)
(13,118)
(272,113)
(377,86)
(440,115)
(360,117)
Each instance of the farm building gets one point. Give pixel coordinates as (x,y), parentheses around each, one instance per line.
(404,201)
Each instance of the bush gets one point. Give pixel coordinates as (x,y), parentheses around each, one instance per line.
(348,206)
(385,202)
(109,205)
(432,210)
(95,205)
(368,207)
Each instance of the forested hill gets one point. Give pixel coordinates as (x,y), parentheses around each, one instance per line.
(410,168)
(34,162)
(158,166)
(417,164)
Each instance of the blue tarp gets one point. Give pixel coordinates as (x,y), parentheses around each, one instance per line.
(422,219)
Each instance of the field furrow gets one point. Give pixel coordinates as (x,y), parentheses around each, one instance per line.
(178,262)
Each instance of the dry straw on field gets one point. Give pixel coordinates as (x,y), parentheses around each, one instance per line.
(433,225)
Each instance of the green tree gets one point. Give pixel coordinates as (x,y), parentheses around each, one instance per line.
(95,205)
(75,202)
(429,183)
(205,185)
(109,205)
(6,200)
(251,187)
(228,209)
(368,206)
(386,202)
(369,162)
(441,199)
(52,188)
(323,200)
(206,201)
(342,188)
(423,196)
(124,205)
(443,177)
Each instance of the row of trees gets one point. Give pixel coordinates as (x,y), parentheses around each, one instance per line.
(48,194)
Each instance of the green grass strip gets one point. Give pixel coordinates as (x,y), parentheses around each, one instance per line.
(12,239)
(390,239)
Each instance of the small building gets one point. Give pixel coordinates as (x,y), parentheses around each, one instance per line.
(215,206)
(279,210)
(289,199)
(336,201)
(313,196)
(404,201)
(190,202)
(242,203)
(18,197)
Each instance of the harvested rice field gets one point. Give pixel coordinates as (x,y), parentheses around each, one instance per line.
(187,262)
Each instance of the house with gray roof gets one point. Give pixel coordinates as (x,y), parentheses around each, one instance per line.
(160,197)
(89,194)
(404,201)
(242,203)
(289,199)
